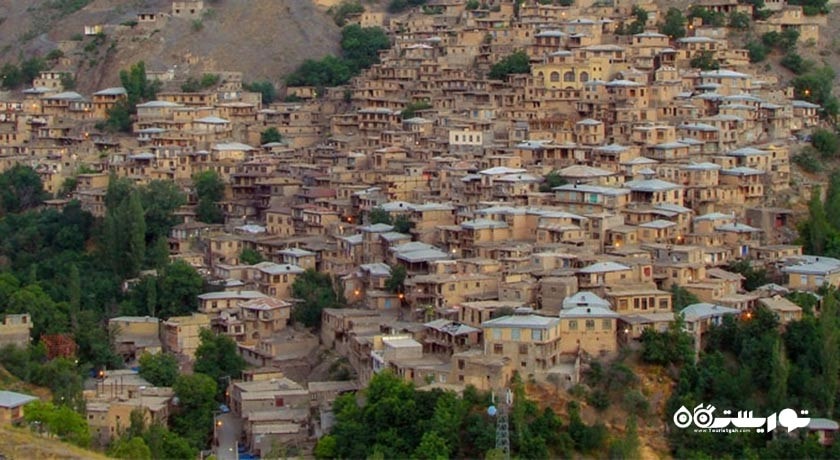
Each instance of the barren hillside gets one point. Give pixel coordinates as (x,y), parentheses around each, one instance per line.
(265,39)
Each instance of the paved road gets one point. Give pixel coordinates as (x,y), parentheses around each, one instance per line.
(228,435)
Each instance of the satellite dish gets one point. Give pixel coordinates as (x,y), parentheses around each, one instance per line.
(491,411)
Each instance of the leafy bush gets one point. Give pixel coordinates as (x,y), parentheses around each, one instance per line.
(517,62)
(411,109)
(826,142)
(796,64)
(344,9)
(705,61)
(193,85)
(808,160)
(360,50)
(674,24)
(757,51)
(709,17)
(739,20)
(265,88)
(398,6)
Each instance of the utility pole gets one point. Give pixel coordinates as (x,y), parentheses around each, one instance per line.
(502,425)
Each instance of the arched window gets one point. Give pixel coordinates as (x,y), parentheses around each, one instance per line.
(584,77)
(555,76)
(569,76)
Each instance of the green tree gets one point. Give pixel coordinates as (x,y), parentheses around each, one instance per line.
(60,421)
(10,76)
(329,71)
(780,373)
(826,142)
(403,224)
(551,180)
(160,199)
(516,63)
(640,17)
(378,215)
(130,449)
(137,86)
(705,60)
(396,282)
(816,86)
(180,286)
(739,20)
(753,278)
(410,111)
(74,290)
(346,8)
(135,225)
(48,317)
(674,24)
(166,444)
(681,298)
(796,63)
(31,68)
(831,206)
(209,190)
(325,448)
(815,232)
(361,45)
(709,17)
(315,291)
(265,88)
(20,189)
(432,447)
(673,346)
(160,369)
(828,351)
(270,135)
(757,51)
(118,118)
(193,419)
(249,256)
(217,356)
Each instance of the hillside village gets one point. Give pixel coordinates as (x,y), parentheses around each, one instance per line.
(530,225)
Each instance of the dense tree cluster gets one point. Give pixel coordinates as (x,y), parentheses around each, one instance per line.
(819,234)
(314,291)
(360,48)
(750,363)
(209,190)
(398,421)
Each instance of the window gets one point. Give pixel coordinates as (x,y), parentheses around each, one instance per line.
(515,334)
(497,334)
(498,349)
(584,77)
(555,76)
(523,349)
(536,334)
(606,324)
(573,325)
(451,287)
(590,325)
(569,76)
